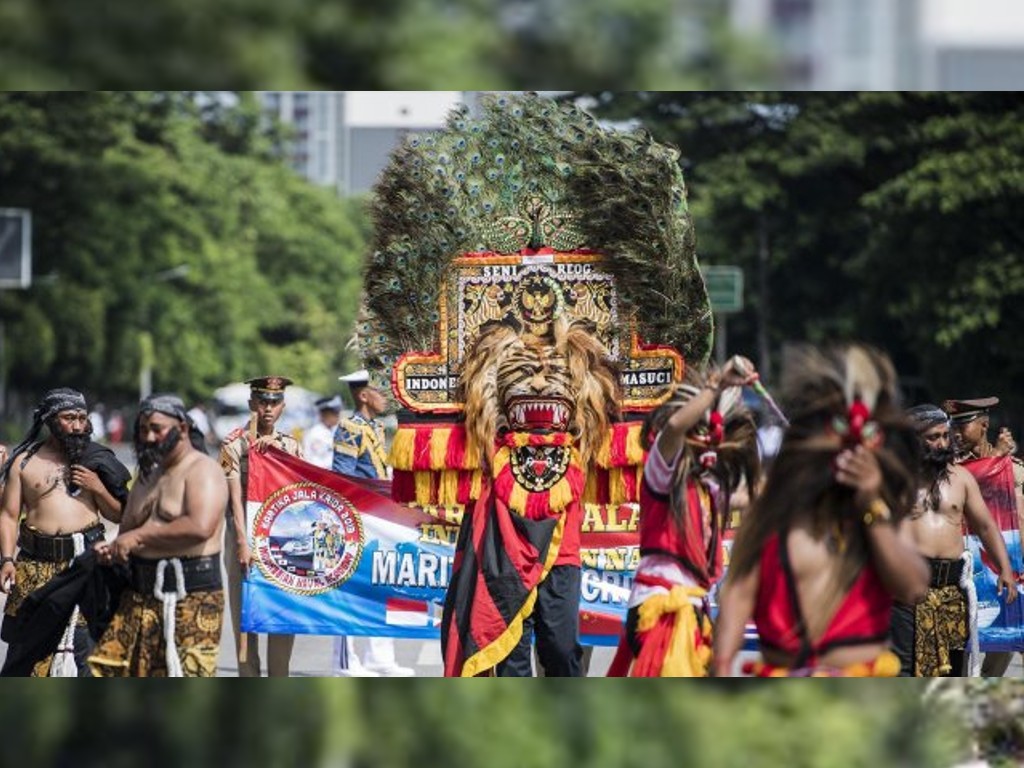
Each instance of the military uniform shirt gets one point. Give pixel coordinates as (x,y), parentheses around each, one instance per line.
(234,457)
(359,448)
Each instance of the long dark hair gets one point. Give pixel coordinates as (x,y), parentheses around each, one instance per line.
(737,454)
(819,386)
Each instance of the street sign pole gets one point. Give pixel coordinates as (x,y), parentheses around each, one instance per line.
(725,291)
(720,333)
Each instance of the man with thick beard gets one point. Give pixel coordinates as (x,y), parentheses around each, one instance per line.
(170,538)
(932,637)
(62,485)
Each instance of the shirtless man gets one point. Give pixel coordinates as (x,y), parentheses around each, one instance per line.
(931,637)
(62,485)
(170,538)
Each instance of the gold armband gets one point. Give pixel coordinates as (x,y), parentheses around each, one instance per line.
(877,511)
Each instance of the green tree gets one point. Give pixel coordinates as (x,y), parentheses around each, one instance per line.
(470,44)
(166,723)
(884,217)
(159,221)
(546,724)
(624,723)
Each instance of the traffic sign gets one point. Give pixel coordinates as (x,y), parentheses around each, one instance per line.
(15,248)
(725,288)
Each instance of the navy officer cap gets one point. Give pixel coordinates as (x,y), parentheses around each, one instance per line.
(269,387)
(962,411)
(356,379)
(329,403)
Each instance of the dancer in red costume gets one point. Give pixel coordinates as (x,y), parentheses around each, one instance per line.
(819,558)
(705,442)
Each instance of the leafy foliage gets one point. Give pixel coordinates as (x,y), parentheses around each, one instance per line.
(529,173)
(549,723)
(884,217)
(622,723)
(167,723)
(160,221)
(991,708)
(388,44)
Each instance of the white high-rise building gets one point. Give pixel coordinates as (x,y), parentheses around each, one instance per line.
(865,45)
(976,45)
(786,26)
(342,139)
(317,118)
(891,44)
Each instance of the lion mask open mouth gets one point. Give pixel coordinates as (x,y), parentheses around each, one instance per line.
(527,413)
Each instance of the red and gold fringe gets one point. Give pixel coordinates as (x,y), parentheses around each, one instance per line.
(432,467)
(621,446)
(430,487)
(430,447)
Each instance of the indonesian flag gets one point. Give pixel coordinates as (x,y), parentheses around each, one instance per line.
(401,612)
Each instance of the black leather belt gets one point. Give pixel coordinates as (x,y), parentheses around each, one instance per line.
(54,549)
(201,574)
(946,573)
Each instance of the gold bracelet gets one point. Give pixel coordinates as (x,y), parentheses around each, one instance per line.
(877,511)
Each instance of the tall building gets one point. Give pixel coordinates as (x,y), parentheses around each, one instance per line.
(787,26)
(317,118)
(891,44)
(972,46)
(342,139)
(838,44)
(866,45)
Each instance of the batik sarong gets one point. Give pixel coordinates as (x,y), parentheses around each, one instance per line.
(940,632)
(134,644)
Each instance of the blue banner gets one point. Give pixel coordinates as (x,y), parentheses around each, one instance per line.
(334,557)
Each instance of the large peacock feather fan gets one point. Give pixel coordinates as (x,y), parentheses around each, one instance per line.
(526,173)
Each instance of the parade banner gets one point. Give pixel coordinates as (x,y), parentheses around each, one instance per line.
(332,555)
(1000,626)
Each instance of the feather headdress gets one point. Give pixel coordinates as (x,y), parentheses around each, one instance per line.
(736,448)
(528,173)
(839,387)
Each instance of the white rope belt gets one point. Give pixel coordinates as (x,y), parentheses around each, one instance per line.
(967,585)
(170,603)
(63,664)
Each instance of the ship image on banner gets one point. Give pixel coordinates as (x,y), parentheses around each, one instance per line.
(308,538)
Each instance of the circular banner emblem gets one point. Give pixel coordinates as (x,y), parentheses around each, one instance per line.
(308,539)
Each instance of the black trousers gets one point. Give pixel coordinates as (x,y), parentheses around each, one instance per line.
(556,623)
(902,625)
